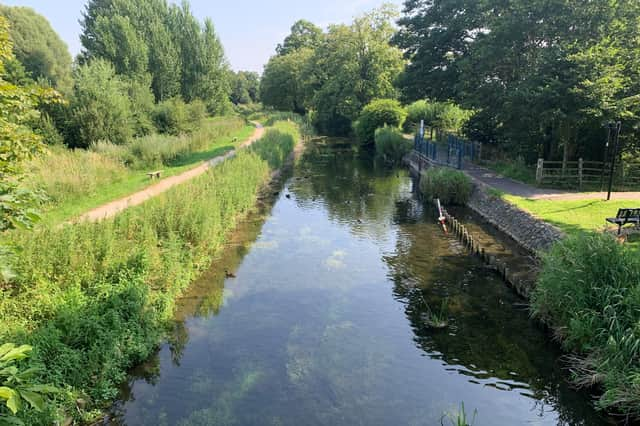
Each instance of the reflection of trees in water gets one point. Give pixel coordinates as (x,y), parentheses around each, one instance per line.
(489,339)
(352,185)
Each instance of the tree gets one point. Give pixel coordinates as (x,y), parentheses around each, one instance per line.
(38,47)
(245,87)
(18,143)
(377,114)
(542,74)
(283,83)
(100,106)
(304,34)
(354,65)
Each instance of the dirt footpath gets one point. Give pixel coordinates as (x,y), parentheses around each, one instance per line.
(114,207)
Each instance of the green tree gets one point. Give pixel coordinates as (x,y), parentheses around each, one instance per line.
(352,66)
(38,47)
(100,106)
(245,87)
(283,84)
(377,114)
(303,34)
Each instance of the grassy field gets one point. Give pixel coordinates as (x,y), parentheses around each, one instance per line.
(77,181)
(576,216)
(93,298)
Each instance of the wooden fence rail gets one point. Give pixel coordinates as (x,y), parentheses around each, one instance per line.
(587,173)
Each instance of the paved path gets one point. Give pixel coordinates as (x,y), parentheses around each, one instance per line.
(512,187)
(114,207)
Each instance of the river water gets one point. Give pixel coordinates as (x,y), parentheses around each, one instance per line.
(350,307)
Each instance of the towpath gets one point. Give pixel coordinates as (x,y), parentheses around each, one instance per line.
(114,207)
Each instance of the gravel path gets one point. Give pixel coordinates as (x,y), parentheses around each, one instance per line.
(512,187)
(114,207)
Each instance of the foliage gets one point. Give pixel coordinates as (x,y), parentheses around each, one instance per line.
(304,34)
(353,66)
(460,417)
(391,144)
(18,142)
(17,384)
(443,116)
(542,75)
(588,292)
(100,107)
(514,169)
(377,114)
(277,143)
(245,87)
(450,186)
(335,74)
(181,56)
(105,289)
(39,48)
(174,117)
(283,84)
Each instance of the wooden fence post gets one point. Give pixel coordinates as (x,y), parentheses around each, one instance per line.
(539,171)
(580,167)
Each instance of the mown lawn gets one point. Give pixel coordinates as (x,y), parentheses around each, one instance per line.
(132,181)
(576,216)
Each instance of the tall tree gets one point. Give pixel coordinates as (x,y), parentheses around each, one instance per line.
(303,34)
(38,47)
(283,81)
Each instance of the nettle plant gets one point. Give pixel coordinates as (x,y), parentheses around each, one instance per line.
(17,387)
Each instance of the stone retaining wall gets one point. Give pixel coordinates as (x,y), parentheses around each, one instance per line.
(532,234)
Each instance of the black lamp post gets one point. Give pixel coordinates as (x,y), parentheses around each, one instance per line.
(614,131)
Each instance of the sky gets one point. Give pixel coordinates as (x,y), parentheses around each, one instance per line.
(249,29)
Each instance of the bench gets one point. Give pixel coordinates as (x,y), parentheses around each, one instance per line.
(155,174)
(625,217)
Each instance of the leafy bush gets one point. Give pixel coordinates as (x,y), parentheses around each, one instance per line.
(18,387)
(377,114)
(444,116)
(100,108)
(174,117)
(450,186)
(589,292)
(105,289)
(391,144)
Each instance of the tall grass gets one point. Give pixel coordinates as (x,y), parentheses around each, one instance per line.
(391,144)
(450,186)
(68,174)
(589,293)
(92,298)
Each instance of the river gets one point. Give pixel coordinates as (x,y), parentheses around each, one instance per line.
(350,307)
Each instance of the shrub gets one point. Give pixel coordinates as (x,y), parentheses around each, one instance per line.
(589,292)
(170,116)
(100,108)
(450,186)
(377,114)
(444,116)
(391,144)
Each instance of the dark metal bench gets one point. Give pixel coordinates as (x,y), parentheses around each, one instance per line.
(625,217)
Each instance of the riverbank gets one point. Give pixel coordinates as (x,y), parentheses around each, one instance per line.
(93,298)
(581,284)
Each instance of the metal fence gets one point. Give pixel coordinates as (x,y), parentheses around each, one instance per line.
(453,152)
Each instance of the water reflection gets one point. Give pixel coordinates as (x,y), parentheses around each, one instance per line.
(327,320)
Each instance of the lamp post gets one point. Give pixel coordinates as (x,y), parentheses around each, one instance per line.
(614,131)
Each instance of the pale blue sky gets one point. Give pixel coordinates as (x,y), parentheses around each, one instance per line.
(249,29)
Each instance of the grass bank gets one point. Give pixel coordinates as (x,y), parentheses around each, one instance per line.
(78,180)
(93,298)
(576,217)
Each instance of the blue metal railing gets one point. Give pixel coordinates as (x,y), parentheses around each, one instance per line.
(452,153)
